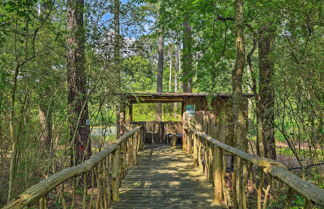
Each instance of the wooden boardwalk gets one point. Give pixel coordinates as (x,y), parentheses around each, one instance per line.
(165,177)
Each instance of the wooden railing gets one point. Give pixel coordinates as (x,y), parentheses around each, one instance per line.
(261,175)
(92,184)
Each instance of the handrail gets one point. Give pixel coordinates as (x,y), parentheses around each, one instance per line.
(34,193)
(274,168)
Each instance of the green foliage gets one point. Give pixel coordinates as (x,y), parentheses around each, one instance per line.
(148,112)
(138,74)
(33,71)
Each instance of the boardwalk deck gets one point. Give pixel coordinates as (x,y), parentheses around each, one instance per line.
(165,177)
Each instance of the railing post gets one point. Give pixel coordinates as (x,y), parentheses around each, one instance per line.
(123,150)
(116,175)
(135,146)
(185,140)
(218,174)
(199,153)
(210,162)
(308,204)
(195,150)
(189,141)
(142,138)
(206,158)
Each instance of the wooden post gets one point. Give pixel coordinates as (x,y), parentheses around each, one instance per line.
(199,153)
(121,120)
(218,174)
(308,204)
(116,175)
(134,138)
(184,140)
(210,162)
(173,140)
(130,113)
(195,150)
(206,167)
(123,150)
(142,138)
(190,142)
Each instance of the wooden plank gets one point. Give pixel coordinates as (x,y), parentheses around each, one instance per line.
(168,179)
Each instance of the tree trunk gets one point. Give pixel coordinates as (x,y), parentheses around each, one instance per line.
(160,82)
(266,92)
(177,67)
(117,42)
(160,65)
(45,110)
(117,69)
(239,121)
(77,97)
(187,55)
(170,69)
(45,119)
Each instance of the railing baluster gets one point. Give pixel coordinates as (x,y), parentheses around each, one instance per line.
(290,195)
(85,185)
(267,191)
(96,172)
(199,153)
(63,196)
(210,162)
(104,184)
(217,173)
(259,189)
(195,151)
(308,204)
(42,203)
(73,192)
(134,149)
(206,167)
(108,176)
(123,146)
(92,173)
(115,175)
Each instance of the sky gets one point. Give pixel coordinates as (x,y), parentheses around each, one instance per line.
(128,33)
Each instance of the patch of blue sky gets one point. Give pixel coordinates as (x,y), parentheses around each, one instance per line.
(130,31)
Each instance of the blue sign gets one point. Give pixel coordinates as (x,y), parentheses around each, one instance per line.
(190,110)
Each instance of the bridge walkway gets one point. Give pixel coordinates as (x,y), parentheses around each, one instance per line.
(165,177)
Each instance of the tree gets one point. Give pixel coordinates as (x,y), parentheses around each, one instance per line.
(187,55)
(266,90)
(117,41)
(239,122)
(45,107)
(159,87)
(77,97)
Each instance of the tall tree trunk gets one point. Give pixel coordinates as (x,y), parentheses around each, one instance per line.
(266,92)
(176,75)
(117,41)
(77,97)
(177,66)
(187,55)
(45,110)
(259,142)
(117,68)
(160,81)
(45,119)
(170,67)
(239,121)
(160,65)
